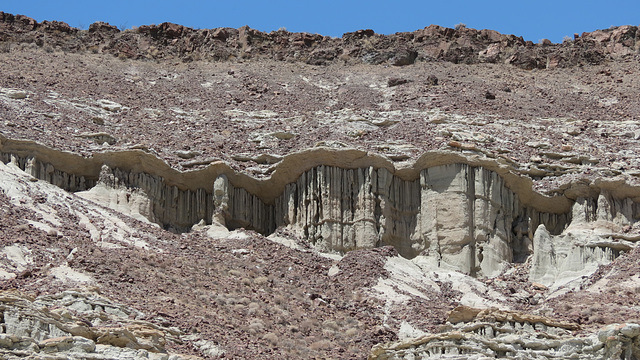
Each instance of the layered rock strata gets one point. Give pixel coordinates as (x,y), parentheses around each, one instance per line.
(457,212)
(48,173)
(78,325)
(491,333)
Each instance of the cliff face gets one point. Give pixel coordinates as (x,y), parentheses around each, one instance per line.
(461,216)
(408,174)
(450,214)
(457,216)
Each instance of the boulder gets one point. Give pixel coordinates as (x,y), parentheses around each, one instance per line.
(404,57)
(103,27)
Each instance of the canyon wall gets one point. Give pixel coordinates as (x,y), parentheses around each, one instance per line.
(469,217)
(458,216)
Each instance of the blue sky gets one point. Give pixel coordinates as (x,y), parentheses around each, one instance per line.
(534,20)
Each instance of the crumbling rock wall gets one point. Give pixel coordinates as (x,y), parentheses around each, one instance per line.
(459,216)
(171,207)
(493,333)
(246,210)
(78,325)
(48,173)
(600,230)
(472,216)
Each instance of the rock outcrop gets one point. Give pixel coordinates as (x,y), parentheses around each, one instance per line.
(507,191)
(459,216)
(600,229)
(461,45)
(450,214)
(78,325)
(48,173)
(467,214)
(490,333)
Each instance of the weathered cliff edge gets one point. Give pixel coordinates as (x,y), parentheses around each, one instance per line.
(492,333)
(79,325)
(433,43)
(460,211)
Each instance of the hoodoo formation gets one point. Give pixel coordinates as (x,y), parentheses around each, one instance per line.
(173,193)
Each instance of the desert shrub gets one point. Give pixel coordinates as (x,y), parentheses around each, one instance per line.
(307,325)
(255,327)
(254,309)
(320,345)
(280,300)
(260,280)
(270,337)
(230,300)
(244,301)
(220,300)
(351,332)
(330,325)
(235,272)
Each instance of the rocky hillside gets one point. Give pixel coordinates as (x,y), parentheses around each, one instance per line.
(433,43)
(173,193)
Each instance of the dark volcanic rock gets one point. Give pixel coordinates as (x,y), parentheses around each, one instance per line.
(102,27)
(463,45)
(396,81)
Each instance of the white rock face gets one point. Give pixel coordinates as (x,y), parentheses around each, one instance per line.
(49,173)
(23,190)
(454,215)
(17,256)
(144,195)
(594,237)
(131,202)
(109,105)
(513,337)
(557,260)
(332,208)
(47,328)
(461,217)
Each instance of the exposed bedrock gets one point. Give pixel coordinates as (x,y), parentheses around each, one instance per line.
(140,194)
(444,214)
(469,214)
(47,172)
(492,333)
(457,216)
(433,43)
(599,231)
